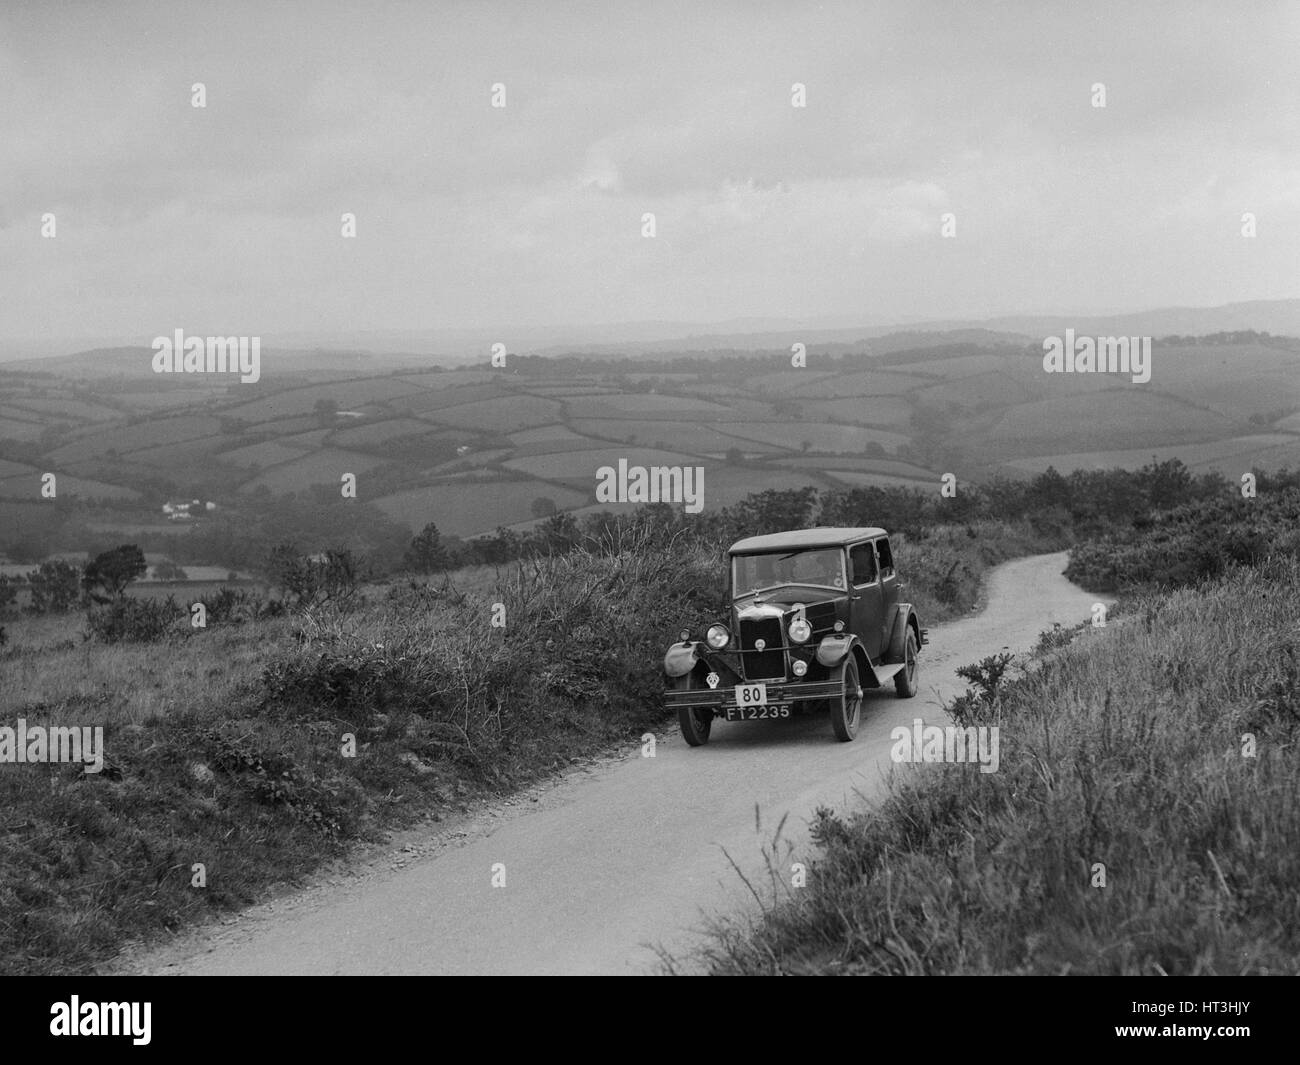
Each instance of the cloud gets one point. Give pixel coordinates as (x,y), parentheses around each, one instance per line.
(532,212)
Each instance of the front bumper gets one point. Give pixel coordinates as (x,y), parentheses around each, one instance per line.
(779,693)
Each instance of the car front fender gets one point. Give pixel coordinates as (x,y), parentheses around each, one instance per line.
(834,649)
(680,659)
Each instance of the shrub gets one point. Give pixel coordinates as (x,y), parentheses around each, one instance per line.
(127,620)
(233,606)
(56,587)
(312,580)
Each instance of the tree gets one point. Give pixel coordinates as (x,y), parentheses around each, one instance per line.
(543,507)
(56,587)
(326,409)
(310,580)
(167,570)
(426,554)
(558,533)
(8,591)
(112,571)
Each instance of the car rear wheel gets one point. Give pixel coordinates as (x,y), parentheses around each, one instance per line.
(905,678)
(696,724)
(846,709)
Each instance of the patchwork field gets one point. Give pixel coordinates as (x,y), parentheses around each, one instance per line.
(373,433)
(642,405)
(28,486)
(473,448)
(701,438)
(864,383)
(866,410)
(320,467)
(1119,416)
(582,465)
(504,414)
(844,439)
(348,394)
(137,437)
(465,509)
(1230,456)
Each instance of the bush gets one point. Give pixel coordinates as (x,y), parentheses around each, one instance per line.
(1190,543)
(233,606)
(127,620)
(55,587)
(579,656)
(313,580)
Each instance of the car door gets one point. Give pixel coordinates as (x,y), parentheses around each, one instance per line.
(866,598)
(889,585)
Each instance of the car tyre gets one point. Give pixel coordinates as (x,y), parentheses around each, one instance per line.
(696,724)
(905,678)
(846,710)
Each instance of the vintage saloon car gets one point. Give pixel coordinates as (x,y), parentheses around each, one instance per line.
(815,619)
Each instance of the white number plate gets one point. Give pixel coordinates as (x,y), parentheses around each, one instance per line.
(751,694)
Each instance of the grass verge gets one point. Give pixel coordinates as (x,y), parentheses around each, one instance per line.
(1160,751)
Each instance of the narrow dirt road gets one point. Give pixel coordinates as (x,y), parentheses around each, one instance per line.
(627,854)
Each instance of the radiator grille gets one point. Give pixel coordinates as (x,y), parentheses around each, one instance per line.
(768,663)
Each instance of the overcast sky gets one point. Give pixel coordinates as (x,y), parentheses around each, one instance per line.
(227,219)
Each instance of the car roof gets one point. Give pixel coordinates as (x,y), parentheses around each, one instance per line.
(822,537)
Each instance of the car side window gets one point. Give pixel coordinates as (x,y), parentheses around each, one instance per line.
(886,558)
(862,560)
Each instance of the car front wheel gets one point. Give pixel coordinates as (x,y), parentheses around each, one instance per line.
(696,724)
(905,678)
(846,708)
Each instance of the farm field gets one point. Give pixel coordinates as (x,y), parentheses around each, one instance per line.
(836,466)
(843,439)
(865,410)
(136,437)
(863,383)
(1120,416)
(349,394)
(704,438)
(467,508)
(444,437)
(504,414)
(582,465)
(1226,456)
(326,466)
(28,486)
(855,479)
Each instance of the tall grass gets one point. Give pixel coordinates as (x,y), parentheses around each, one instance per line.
(226,747)
(1129,748)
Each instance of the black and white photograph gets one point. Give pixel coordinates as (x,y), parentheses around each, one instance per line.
(652,489)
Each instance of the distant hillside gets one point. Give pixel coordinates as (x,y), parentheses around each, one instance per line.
(136,362)
(462,347)
(476,448)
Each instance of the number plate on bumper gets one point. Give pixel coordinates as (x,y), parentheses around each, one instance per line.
(756,713)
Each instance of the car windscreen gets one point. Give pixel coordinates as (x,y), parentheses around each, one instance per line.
(821,567)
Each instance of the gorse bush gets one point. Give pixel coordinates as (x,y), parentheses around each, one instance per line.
(235,606)
(570,644)
(127,620)
(1142,751)
(272,777)
(332,576)
(1191,542)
